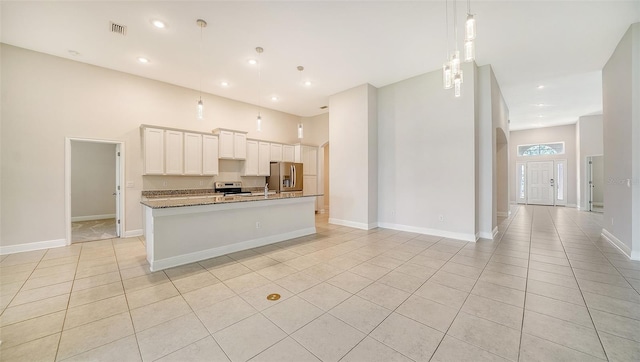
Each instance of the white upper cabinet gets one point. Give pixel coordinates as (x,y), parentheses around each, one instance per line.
(226,144)
(233,145)
(174,152)
(264,167)
(288,153)
(173,156)
(239,146)
(257,162)
(251,162)
(153,145)
(308,156)
(192,154)
(310,160)
(276,152)
(209,155)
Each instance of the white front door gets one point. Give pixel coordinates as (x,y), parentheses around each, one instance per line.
(540,183)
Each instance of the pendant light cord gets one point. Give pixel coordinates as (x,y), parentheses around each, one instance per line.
(259,81)
(201,26)
(446,24)
(455,23)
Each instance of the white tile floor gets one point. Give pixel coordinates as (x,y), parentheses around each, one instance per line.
(549,290)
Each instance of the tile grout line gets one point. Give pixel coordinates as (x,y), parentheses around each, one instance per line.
(446,333)
(606,257)
(604,351)
(64,320)
(526,283)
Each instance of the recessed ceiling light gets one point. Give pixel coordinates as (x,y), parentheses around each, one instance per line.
(540,86)
(540,104)
(252,61)
(307,83)
(143,60)
(73,52)
(540,116)
(224,84)
(274,98)
(158,24)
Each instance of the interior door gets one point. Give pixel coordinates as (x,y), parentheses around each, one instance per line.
(118,194)
(540,182)
(595,174)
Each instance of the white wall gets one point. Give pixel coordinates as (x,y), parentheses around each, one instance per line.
(566,134)
(426,156)
(45,99)
(589,143)
(353,173)
(316,130)
(493,115)
(621,119)
(93,180)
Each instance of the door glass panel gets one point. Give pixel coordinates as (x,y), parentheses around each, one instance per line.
(522,180)
(560,183)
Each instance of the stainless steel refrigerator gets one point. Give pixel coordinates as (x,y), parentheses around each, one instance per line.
(285,176)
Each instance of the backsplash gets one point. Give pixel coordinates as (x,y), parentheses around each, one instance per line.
(229,170)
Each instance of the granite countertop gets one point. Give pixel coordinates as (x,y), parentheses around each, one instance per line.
(175,198)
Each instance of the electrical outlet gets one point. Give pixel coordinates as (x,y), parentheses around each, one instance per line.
(258,225)
(201,183)
(164,183)
(441,218)
(130,184)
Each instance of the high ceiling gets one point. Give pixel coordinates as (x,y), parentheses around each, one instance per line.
(561,45)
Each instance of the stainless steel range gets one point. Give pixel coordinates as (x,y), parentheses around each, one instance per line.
(230,188)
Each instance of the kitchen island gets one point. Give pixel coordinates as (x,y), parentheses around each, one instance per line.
(182,230)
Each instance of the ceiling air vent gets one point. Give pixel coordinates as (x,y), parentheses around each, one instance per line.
(324,107)
(117,28)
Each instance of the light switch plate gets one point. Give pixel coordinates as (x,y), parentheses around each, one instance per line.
(130,184)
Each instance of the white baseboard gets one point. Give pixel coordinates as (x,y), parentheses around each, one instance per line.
(353,224)
(227,249)
(38,245)
(486,235)
(613,240)
(502,214)
(92,217)
(570,205)
(427,231)
(132,233)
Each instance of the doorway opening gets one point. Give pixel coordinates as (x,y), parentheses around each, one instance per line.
(542,183)
(595,183)
(93,192)
(323,184)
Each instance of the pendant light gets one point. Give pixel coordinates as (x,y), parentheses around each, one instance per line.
(259,50)
(452,76)
(469,35)
(447,76)
(200,106)
(300,129)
